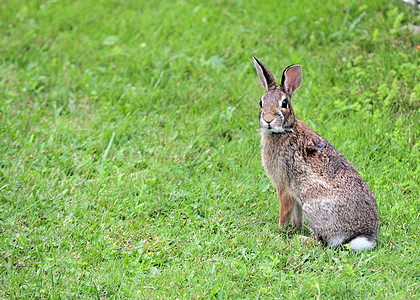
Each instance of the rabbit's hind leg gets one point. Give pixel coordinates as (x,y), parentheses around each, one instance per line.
(297,215)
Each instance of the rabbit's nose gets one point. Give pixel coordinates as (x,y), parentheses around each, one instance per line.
(268,118)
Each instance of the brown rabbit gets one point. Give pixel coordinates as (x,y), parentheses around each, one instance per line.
(309,174)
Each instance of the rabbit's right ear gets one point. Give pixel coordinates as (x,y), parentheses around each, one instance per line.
(266,77)
(291,79)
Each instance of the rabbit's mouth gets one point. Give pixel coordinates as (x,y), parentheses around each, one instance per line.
(273,126)
(273,129)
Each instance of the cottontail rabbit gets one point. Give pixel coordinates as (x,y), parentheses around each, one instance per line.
(309,174)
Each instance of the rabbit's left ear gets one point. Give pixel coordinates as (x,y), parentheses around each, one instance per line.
(292,78)
(266,77)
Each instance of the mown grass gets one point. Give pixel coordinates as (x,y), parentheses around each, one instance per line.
(130,150)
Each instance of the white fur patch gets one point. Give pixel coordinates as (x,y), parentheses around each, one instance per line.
(275,129)
(361,243)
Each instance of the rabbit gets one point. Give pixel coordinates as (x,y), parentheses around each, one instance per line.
(310,175)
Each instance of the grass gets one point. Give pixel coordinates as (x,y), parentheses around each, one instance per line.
(129,147)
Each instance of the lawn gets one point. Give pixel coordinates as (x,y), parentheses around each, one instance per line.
(130,157)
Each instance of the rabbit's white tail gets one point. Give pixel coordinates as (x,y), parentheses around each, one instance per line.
(362,243)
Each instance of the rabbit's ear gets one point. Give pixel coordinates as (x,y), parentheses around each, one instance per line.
(292,78)
(266,77)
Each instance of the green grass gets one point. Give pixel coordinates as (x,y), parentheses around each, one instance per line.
(130,160)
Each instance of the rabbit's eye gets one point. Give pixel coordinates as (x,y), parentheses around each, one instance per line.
(284,104)
(261,103)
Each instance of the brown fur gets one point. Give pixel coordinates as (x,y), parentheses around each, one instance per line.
(311,175)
